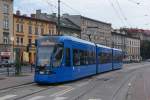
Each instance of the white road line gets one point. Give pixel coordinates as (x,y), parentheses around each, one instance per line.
(62,92)
(60,98)
(82,84)
(7,97)
(37,98)
(95,99)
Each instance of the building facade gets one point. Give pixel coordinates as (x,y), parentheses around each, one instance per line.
(26,31)
(128,44)
(6,30)
(133,49)
(92,30)
(119,40)
(67,27)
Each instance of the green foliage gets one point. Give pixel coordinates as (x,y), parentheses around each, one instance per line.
(18,64)
(145,49)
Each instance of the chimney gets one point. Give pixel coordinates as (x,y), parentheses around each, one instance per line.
(33,15)
(53,14)
(65,15)
(38,11)
(17,12)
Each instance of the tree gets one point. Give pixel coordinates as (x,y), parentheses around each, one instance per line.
(145,49)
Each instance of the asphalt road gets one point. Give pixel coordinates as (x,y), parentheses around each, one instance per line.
(130,83)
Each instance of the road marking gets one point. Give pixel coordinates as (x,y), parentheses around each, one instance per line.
(37,98)
(60,98)
(95,99)
(7,97)
(82,84)
(60,93)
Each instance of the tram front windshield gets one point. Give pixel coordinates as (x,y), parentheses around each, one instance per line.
(49,56)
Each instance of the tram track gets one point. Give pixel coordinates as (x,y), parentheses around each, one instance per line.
(16,89)
(30,94)
(5,90)
(132,74)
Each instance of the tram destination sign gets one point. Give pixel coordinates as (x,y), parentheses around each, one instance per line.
(47,43)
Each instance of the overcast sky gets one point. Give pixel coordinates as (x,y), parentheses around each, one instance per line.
(121,13)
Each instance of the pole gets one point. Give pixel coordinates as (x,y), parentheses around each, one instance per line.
(58,17)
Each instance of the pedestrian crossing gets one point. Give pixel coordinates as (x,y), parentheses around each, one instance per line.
(7,97)
(37,98)
(12,97)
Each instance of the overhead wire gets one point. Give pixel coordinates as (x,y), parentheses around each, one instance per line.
(123,14)
(117,13)
(67,5)
(140,4)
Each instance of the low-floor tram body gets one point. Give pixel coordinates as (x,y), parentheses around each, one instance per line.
(66,58)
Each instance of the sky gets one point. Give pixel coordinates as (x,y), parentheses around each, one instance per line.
(120,13)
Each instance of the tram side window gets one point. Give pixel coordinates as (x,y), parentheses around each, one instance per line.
(82,58)
(68,57)
(58,54)
(104,57)
(119,58)
(76,57)
(91,58)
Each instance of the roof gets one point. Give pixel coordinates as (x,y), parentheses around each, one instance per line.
(95,20)
(102,46)
(74,39)
(64,38)
(116,33)
(64,22)
(117,49)
(35,19)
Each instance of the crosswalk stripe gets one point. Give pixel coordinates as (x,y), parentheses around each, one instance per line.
(37,98)
(7,97)
(62,92)
(60,98)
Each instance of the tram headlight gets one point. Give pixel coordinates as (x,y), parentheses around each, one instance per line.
(41,72)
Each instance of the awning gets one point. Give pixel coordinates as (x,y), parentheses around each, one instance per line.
(5,54)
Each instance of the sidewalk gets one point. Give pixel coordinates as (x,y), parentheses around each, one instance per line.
(11,81)
(6,82)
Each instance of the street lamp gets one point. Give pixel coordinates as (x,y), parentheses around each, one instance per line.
(12,40)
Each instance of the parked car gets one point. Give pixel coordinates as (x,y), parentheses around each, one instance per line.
(6,63)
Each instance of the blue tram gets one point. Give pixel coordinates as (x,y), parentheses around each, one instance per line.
(66,58)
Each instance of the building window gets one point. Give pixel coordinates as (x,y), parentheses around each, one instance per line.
(21,40)
(17,40)
(6,8)
(30,29)
(30,41)
(51,32)
(5,38)
(19,28)
(42,31)
(6,23)
(36,31)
